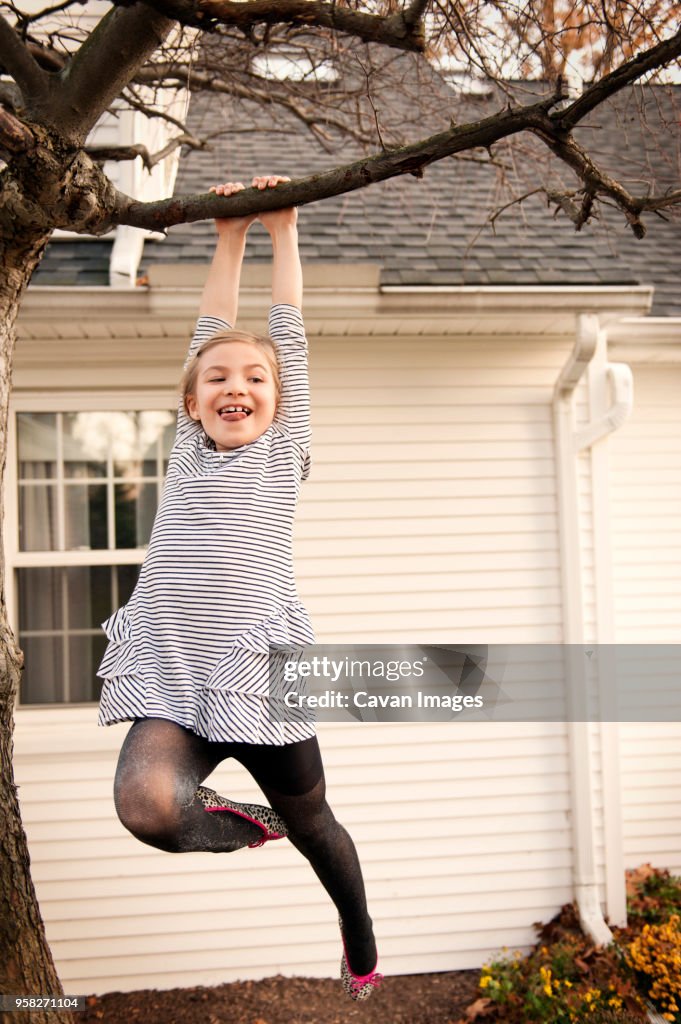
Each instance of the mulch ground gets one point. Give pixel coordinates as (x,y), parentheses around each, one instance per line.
(409,999)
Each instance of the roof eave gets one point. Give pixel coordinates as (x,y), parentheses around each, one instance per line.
(347,303)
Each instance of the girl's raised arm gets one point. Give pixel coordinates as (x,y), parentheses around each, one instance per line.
(286,327)
(220,297)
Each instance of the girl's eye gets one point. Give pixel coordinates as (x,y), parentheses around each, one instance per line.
(215,380)
(256,380)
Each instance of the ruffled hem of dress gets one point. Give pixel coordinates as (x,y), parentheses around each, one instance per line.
(231,704)
(219,716)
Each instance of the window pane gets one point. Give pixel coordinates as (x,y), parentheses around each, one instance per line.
(135,510)
(127,578)
(85,514)
(37,445)
(89,595)
(95,591)
(42,681)
(40,599)
(72,467)
(86,443)
(142,454)
(38,517)
(70,602)
(85,654)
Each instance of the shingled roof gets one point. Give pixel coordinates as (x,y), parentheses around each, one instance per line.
(434,230)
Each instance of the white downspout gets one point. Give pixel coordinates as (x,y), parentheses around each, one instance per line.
(568,444)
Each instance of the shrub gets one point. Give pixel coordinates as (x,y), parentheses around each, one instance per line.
(567,982)
(655,956)
(653,895)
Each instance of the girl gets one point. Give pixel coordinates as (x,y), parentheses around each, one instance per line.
(187,659)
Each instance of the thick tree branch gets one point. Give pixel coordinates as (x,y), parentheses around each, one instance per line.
(403,31)
(100,69)
(406,160)
(19,63)
(102,153)
(654,58)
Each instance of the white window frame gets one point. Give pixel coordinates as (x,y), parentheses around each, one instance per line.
(76,400)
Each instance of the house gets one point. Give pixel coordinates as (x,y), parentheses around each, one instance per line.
(471,485)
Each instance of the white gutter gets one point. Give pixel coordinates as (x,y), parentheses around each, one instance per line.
(568,444)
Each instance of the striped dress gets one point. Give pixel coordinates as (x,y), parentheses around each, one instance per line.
(217,586)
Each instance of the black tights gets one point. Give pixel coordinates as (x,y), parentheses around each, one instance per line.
(160,766)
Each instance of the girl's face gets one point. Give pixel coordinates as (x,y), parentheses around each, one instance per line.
(235,397)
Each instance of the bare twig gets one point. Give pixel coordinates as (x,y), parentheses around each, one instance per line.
(656,57)
(372,104)
(596,180)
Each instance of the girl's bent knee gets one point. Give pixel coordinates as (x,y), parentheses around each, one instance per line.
(153,820)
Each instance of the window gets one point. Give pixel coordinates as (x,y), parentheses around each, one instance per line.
(88,484)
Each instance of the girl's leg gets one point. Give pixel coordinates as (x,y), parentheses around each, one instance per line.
(292,779)
(160,766)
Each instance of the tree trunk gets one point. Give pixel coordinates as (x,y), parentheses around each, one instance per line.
(26,965)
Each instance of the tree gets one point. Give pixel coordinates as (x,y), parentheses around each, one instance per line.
(58,79)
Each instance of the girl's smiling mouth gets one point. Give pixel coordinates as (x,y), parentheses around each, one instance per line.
(231,413)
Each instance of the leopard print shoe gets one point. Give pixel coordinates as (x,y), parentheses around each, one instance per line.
(273,826)
(357,986)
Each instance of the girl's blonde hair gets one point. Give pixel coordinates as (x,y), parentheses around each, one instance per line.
(266,346)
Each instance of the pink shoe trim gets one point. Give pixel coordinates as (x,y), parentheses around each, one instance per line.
(266,835)
(372,978)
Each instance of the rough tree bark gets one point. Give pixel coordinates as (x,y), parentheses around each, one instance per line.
(26,964)
(51,183)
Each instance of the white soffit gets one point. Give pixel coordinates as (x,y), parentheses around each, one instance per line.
(340,301)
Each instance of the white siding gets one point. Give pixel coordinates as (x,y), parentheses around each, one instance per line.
(430,516)
(646,520)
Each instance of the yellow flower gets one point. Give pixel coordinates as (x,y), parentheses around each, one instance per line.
(545,974)
(485,981)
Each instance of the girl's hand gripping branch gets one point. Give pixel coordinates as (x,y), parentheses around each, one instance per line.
(220,296)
